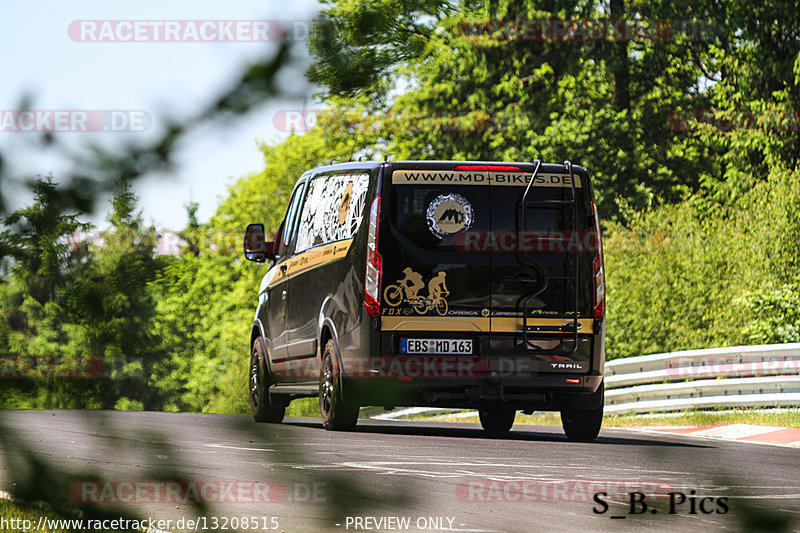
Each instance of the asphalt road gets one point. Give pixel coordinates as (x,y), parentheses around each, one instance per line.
(393,476)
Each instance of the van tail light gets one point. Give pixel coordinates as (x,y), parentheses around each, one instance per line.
(597,268)
(374,270)
(488,168)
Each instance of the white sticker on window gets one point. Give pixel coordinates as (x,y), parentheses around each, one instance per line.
(333,209)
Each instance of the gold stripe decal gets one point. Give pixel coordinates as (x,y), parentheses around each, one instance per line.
(475,324)
(455,177)
(310,259)
(422,323)
(514,324)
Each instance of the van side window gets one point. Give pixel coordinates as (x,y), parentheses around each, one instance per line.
(333,210)
(290,222)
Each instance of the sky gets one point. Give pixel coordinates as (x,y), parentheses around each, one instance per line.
(48,55)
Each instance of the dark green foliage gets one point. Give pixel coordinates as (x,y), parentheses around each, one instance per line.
(80,307)
(693,276)
(33,240)
(359,42)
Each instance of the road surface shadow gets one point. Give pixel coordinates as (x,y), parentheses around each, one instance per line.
(474,431)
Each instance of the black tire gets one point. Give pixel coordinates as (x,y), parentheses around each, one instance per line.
(582,425)
(335,414)
(497,419)
(260,406)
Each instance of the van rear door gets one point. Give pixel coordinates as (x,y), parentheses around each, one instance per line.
(436,299)
(542,246)
(472,247)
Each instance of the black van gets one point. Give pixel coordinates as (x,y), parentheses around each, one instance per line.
(433,283)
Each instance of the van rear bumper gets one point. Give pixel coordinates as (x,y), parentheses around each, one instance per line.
(545,392)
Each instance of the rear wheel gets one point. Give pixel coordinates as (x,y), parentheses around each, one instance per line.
(261,407)
(497,419)
(582,424)
(335,414)
(441,306)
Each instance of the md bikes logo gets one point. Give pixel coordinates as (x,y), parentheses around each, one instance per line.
(197,492)
(188,31)
(74,121)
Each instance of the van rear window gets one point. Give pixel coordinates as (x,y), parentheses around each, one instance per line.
(430,208)
(541,217)
(430,215)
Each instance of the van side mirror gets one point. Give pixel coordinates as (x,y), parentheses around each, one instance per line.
(255,247)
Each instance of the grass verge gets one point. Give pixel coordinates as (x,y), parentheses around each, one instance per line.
(19,518)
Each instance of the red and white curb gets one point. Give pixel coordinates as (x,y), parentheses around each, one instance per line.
(778,436)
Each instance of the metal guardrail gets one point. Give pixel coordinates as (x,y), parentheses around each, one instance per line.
(738,376)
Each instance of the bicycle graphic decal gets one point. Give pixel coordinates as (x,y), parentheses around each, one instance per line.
(407,288)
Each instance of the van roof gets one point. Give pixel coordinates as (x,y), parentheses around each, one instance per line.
(426,164)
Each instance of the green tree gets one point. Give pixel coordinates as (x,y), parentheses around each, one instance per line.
(35,241)
(112,311)
(42,265)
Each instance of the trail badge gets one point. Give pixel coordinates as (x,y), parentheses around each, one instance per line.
(448,214)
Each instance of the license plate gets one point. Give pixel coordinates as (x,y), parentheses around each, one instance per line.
(436,346)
